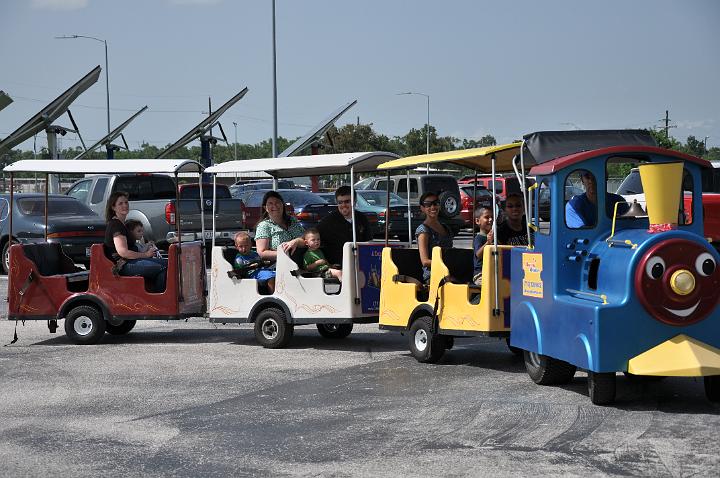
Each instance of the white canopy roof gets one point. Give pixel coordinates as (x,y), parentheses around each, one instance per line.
(104,166)
(314,165)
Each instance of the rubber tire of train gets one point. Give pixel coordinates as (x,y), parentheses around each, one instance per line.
(545,370)
(601,387)
(515,351)
(433,345)
(89,330)
(272,330)
(335,331)
(712,388)
(123,328)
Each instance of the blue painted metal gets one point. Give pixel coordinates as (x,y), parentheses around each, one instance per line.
(578,327)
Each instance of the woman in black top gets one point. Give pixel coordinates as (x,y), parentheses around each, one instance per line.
(120,245)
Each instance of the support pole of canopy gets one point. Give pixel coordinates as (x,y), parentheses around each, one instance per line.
(496,308)
(474,205)
(387,209)
(47,181)
(179,239)
(526,193)
(409,212)
(354,233)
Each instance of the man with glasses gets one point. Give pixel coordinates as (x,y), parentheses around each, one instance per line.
(581,210)
(513,231)
(336,228)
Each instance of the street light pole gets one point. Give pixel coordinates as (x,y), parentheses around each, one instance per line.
(274,138)
(235,124)
(107,71)
(427,126)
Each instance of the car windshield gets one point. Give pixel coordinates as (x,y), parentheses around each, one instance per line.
(56,207)
(631,184)
(439,184)
(300,198)
(379,198)
(192,191)
(480,192)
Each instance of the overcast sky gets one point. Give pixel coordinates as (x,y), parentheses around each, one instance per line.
(490,67)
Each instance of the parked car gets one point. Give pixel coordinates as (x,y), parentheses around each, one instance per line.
(631,189)
(70,223)
(504,185)
(329,197)
(239,188)
(483,198)
(307,207)
(374,205)
(444,185)
(153,202)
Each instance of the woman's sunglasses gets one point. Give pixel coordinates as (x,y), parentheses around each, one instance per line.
(431,203)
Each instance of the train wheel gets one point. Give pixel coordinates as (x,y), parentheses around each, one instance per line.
(84,325)
(601,387)
(272,330)
(119,327)
(516,351)
(712,388)
(545,370)
(425,345)
(335,331)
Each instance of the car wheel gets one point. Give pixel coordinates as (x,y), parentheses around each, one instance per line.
(545,370)
(272,330)
(449,204)
(601,387)
(6,256)
(335,331)
(84,325)
(515,351)
(119,327)
(425,345)
(712,388)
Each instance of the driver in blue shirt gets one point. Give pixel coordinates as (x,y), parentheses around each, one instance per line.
(581,210)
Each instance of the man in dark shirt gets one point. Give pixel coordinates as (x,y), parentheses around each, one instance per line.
(513,231)
(336,228)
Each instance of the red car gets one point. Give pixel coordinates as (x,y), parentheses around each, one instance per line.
(483,198)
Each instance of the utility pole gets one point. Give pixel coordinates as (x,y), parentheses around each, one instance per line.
(667,124)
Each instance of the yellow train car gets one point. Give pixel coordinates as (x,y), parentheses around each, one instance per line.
(450,305)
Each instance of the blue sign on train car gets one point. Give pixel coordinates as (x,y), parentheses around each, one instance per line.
(369,262)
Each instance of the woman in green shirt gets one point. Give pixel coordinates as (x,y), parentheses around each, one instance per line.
(277,228)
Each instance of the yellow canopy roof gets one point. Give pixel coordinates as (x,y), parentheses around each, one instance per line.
(475,158)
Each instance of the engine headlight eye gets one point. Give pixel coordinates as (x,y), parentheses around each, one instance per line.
(655,267)
(705,264)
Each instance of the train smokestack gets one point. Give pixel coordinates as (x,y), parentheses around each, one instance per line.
(662,185)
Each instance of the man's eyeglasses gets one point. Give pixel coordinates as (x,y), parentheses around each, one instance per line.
(344,201)
(431,203)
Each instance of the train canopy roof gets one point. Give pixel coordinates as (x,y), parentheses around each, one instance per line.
(543,146)
(475,158)
(313,165)
(104,166)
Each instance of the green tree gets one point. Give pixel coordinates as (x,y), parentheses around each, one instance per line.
(487,140)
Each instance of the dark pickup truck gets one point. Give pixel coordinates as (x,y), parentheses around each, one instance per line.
(153,202)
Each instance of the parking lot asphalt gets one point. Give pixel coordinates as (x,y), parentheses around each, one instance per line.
(192,398)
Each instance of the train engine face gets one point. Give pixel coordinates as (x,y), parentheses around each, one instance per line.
(677,281)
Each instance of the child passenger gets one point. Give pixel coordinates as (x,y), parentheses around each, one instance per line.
(246,256)
(314,259)
(137,233)
(484,221)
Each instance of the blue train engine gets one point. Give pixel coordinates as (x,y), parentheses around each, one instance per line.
(615,284)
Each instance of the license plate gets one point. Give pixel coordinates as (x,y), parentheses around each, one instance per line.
(208,234)
(87,252)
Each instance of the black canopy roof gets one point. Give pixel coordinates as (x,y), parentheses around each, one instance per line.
(544,146)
